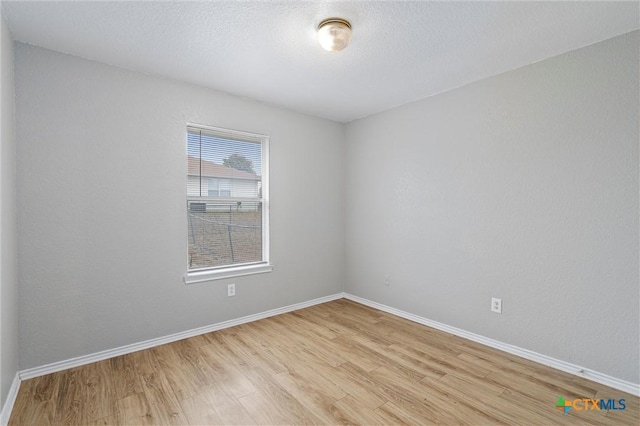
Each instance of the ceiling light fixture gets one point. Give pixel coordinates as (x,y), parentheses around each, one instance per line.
(334,34)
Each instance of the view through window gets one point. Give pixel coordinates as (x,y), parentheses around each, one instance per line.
(226,204)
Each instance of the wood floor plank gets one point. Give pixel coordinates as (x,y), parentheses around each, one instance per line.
(391,414)
(190,354)
(35,413)
(296,412)
(356,353)
(440,361)
(471,384)
(200,410)
(45,387)
(36,401)
(219,350)
(134,410)
(311,328)
(270,330)
(335,363)
(349,410)
(475,393)
(415,397)
(328,352)
(160,396)
(98,401)
(227,406)
(69,398)
(226,371)
(355,386)
(403,331)
(305,367)
(326,318)
(262,410)
(248,347)
(105,421)
(310,396)
(180,367)
(358,326)
(145,364)
(488,365)
(525,383)
(381,355)
(165,409)
(124,378)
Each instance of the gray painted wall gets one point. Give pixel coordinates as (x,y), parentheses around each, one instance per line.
(101,261)
(8,229)
(523,186)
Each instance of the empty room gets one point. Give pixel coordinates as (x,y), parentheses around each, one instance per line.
(319,212)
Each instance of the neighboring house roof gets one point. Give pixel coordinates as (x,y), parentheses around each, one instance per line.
(210,169)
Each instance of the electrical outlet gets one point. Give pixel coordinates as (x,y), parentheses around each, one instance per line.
(496,305)
(387,280)
(231,290)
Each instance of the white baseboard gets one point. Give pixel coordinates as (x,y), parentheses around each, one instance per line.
(567,367)
(122,350)
(7,407)
(577,370)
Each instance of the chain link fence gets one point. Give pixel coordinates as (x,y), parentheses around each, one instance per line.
(224,235)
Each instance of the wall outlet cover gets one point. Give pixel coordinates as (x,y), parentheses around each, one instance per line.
(496,305)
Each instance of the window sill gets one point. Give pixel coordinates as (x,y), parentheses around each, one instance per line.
(219,274)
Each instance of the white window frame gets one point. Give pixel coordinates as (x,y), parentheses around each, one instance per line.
(229,271)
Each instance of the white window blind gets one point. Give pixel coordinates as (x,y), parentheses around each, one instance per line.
(227,207)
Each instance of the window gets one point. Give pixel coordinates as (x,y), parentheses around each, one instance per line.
(227,203)
(219,187)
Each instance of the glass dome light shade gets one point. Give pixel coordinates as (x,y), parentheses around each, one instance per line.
(334,34)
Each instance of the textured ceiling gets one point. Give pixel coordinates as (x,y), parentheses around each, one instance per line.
(401,51)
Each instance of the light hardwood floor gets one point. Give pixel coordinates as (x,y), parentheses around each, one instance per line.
(335,363)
